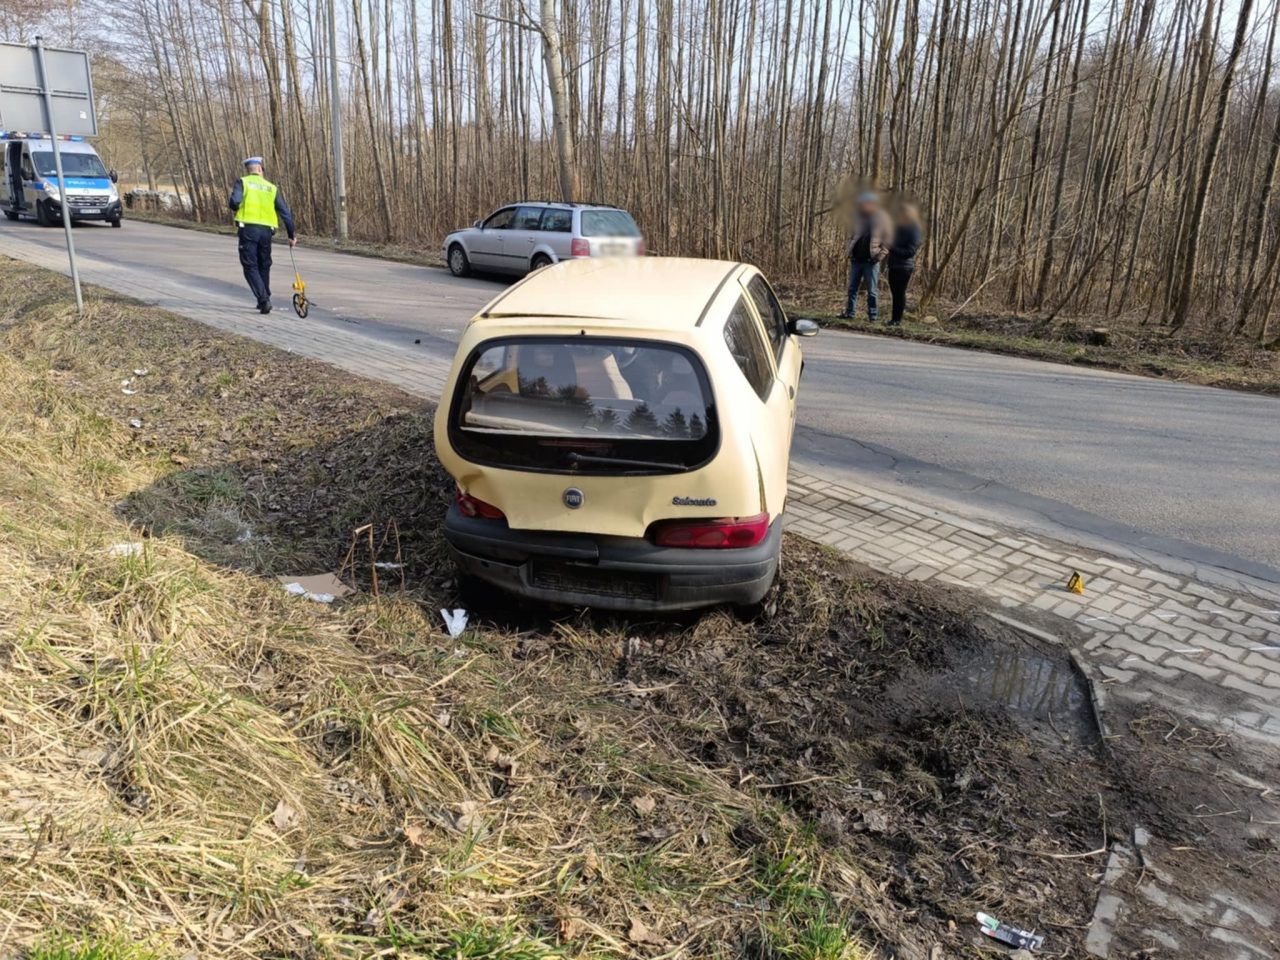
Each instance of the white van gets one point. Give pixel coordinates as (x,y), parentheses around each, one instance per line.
(30,188)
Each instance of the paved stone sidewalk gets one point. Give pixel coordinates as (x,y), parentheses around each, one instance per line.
(1144,627)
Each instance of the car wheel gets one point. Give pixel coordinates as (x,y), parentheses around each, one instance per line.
(43,217)
(11,214)
(459,264)
(117,223)
(539,261)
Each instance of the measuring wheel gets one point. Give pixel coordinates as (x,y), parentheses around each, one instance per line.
(301,306)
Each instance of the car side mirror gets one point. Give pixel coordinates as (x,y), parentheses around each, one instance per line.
(115,177)
(803,327)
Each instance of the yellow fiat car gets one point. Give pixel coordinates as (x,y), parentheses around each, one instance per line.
(619,430)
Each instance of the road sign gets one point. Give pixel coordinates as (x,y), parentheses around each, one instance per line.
(22,93)
(49,91)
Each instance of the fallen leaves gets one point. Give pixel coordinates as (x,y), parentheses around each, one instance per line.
(415,834)
(500,761)
(570,929)
(644,804)
(467,816)
(285,817)
(639,934)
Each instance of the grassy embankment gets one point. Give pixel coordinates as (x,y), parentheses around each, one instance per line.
(196,762)
(1210,359)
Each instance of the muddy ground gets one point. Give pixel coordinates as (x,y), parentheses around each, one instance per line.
(950,764)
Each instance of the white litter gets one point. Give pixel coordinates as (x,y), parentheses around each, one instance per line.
(302,591)
(141,372)
(127,392)
(125,549)
(322,588)
(135,423)
(388,565)
(455,622)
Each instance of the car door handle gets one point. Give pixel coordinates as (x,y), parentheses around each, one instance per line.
(792,391)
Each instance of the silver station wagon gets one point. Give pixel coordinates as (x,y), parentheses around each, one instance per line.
(525,236)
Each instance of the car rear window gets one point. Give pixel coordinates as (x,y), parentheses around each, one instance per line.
(608,223)
(584,405)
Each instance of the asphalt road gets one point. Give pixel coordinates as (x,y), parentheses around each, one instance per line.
(1104,459)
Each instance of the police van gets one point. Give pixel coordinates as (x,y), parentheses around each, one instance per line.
(30,187)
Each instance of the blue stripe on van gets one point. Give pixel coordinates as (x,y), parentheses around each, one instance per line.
(86,183)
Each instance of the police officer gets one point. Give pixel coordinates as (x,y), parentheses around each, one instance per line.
(259,209)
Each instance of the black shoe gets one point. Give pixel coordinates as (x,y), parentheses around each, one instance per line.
(264,307)
(844,316)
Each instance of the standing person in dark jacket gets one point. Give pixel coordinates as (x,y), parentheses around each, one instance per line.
(868,246)
(259,210)
(907,239)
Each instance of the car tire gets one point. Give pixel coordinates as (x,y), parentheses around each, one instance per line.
(539,261)
(117,223)
(459,262)
(43,217)
(11,214)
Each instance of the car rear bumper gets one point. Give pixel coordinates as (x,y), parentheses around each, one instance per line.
(612,573)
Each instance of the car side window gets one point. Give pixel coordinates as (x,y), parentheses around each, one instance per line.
(770,310)
(527,218)
(555,220)
(741,333)
(501,220)
(28,171)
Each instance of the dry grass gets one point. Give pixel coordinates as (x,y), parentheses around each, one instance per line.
(194,761)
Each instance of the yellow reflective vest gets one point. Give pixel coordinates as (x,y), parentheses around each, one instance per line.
(258,205)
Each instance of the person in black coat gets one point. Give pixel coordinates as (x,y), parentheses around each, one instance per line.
(908,236)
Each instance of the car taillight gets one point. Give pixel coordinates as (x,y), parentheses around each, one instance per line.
(641,249)
(729,532)
(470,506)
(580,247)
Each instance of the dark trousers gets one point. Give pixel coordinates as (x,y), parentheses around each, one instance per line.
(255,258)
(862,272)
(899,277)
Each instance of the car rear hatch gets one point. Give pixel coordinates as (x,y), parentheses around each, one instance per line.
(599,435)
(608,233)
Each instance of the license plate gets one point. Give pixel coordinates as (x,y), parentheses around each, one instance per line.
(570,578)
(90,210)
(614,249)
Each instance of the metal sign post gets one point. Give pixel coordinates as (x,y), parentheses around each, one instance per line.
(42,91)
(62,183)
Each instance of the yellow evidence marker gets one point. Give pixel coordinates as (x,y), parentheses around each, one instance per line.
(1076,582)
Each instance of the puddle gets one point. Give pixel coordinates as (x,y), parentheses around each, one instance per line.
(1030,686)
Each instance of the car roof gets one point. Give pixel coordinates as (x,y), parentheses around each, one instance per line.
(653,293)
(66,146)
(560,204)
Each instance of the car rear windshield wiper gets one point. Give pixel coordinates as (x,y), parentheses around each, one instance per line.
(575,457)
